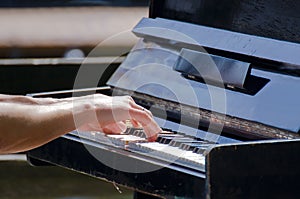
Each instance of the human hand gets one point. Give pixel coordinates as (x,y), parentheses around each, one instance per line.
(108,114)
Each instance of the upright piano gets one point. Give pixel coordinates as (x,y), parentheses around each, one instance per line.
(222,77)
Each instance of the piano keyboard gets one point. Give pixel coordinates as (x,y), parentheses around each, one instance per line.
(172,147)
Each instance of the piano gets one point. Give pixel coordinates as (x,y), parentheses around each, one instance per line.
(222,77)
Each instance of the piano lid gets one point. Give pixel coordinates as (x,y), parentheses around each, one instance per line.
(149,69)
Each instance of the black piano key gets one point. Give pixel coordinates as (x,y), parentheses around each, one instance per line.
(201,149)
(169,130)
(190,145)
(136,132)
(140,133)
(176,142)
(194,145)
(164,140)
(167,138)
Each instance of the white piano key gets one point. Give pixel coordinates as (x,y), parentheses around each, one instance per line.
(171,153)
(123,140)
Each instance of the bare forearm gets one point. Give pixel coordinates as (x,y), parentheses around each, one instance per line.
(24,127)
(26,123)
(19,99)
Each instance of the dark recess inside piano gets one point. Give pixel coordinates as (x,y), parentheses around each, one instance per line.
(235,132)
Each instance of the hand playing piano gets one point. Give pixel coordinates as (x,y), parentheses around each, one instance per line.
(26,123)
(109,115)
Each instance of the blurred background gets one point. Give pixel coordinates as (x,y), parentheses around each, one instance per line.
(43,43)
(42,46)
(19,180)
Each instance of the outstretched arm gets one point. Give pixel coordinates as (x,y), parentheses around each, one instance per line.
(26,123)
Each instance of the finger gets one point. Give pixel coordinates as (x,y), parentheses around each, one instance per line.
(151,128)
(115,128)
(135,124)
(152,132)
(134,105)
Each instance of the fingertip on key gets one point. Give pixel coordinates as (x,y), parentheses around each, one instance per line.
(152,138)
